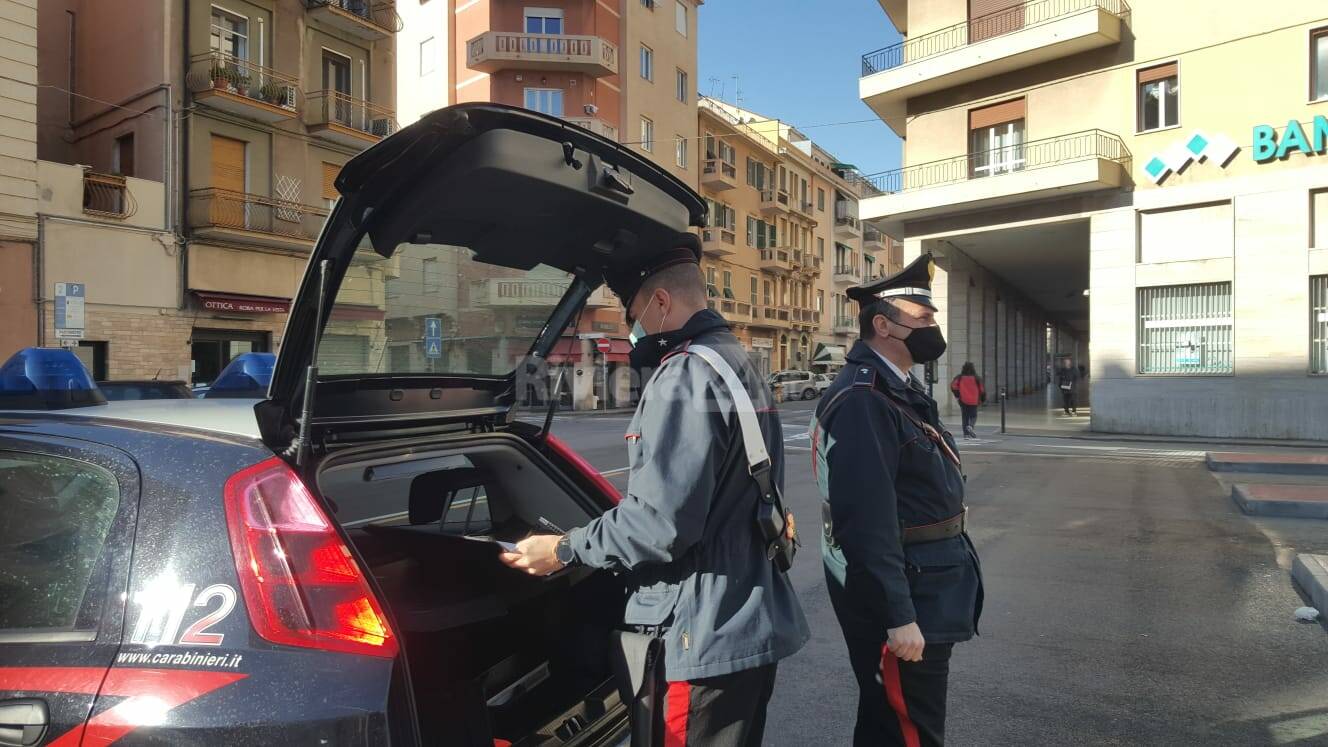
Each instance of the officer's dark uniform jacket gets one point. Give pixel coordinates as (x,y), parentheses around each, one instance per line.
(880,473)
(686,528)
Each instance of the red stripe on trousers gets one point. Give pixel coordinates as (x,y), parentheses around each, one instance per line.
(677,702)
(894,694)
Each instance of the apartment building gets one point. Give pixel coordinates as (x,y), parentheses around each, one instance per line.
(18,165)
(1092,192)
(782,213)
(243,111)
(625,69)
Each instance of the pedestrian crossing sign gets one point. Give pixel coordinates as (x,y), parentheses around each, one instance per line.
(433,348)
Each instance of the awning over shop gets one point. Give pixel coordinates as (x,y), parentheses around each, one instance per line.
(568,350)
(829,355)
(233,303)
(354,312)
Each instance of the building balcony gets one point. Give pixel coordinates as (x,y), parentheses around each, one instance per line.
(775,316)
(341,118)
(243,88)
(1015,38)
(847,225)
(847,275)
(1040,169)
(774,202)
(493,51)
(519,293)
(805,318)
(241,218)
(778,261)
(718,175)
(719,242)
(811,264)
(602,298)
(804,209)
(735,310)
(107,196)
(845,325)
(595,125)
(873,240)
(367,20)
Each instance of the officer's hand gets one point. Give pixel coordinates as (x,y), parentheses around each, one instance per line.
(534,555)
(906,642)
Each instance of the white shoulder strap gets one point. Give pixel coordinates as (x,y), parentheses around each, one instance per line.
(752,440)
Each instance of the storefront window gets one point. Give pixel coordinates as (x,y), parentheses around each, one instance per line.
(1319,324)
(1185,329)
(211,350)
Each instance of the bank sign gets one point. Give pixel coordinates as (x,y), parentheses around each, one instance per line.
(1267,146)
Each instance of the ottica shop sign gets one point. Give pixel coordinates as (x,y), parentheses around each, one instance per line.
(1295,138)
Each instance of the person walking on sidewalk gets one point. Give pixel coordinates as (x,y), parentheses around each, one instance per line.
(968,389)
(1067,378)
(903,576)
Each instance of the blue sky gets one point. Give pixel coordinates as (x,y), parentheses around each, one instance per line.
(798,60)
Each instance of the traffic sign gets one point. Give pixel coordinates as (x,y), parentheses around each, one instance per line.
(69,317)
(603,345)
(433,337)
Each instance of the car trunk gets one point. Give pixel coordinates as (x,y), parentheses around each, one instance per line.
(492,653)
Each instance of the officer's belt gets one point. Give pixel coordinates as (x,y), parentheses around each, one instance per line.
(943,529)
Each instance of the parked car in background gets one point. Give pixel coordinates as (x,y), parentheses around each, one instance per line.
(823,382)
(796,384)
(130,389)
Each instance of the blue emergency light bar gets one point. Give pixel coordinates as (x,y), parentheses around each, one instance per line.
(246,376)
(46,379)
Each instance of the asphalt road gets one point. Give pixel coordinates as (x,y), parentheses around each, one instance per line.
(1127,602)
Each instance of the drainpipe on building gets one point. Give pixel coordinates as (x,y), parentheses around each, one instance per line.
(182,161)
(37,279)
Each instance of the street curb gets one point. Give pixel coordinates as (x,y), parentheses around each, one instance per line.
(1272,464)
(1310,573)
(1246,496)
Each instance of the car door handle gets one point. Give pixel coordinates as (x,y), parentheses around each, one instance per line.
(23,722)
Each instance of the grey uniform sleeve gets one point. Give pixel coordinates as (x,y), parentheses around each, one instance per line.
(863,465)
(672,481)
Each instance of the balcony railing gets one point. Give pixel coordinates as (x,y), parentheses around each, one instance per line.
(222,208)
(381,17)
(978,29)
(595,125)
(845,325)
(344,110)
(846,220)
(220,73)
(775,196)
(723,168)
(493,50)
(1080,146)
(107,195)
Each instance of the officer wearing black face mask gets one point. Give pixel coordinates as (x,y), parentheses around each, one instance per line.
(902,574)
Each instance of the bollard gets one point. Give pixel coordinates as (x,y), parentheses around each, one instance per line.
(1003,397)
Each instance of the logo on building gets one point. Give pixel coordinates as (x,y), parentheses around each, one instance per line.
(1200,146)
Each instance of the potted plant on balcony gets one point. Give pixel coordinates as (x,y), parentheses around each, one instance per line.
(273,94)
(241,83)
(221,77)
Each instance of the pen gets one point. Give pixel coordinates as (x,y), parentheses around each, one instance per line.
(549,525)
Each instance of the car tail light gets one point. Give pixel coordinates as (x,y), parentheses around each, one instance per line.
(577,462)
(300,582)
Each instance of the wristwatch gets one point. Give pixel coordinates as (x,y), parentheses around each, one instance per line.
(563,551)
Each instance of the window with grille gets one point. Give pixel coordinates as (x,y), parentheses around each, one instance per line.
(1185,329)
(1319,324)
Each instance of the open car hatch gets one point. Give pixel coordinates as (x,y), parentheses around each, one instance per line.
(460,249)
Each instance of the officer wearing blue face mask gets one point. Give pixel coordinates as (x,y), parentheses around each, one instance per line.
(902,574)
(693,532)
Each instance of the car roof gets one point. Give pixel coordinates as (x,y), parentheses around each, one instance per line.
(230,416)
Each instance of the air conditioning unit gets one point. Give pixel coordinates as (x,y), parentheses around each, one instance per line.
(382,127)
(288,94)
(590,110)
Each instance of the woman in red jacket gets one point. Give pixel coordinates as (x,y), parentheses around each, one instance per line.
(967,388)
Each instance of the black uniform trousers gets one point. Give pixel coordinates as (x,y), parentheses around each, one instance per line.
(724,711)
(899,702)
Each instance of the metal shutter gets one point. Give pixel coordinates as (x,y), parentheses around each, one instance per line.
(228,163)
(988,18)
(342,354)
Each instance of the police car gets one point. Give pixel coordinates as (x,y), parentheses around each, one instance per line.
(319,566)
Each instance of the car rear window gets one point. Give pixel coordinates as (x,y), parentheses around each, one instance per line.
(55,515)
(434,309)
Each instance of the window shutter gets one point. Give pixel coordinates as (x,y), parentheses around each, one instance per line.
(330,171)
(228,163)
(1148,75)
(987,116)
